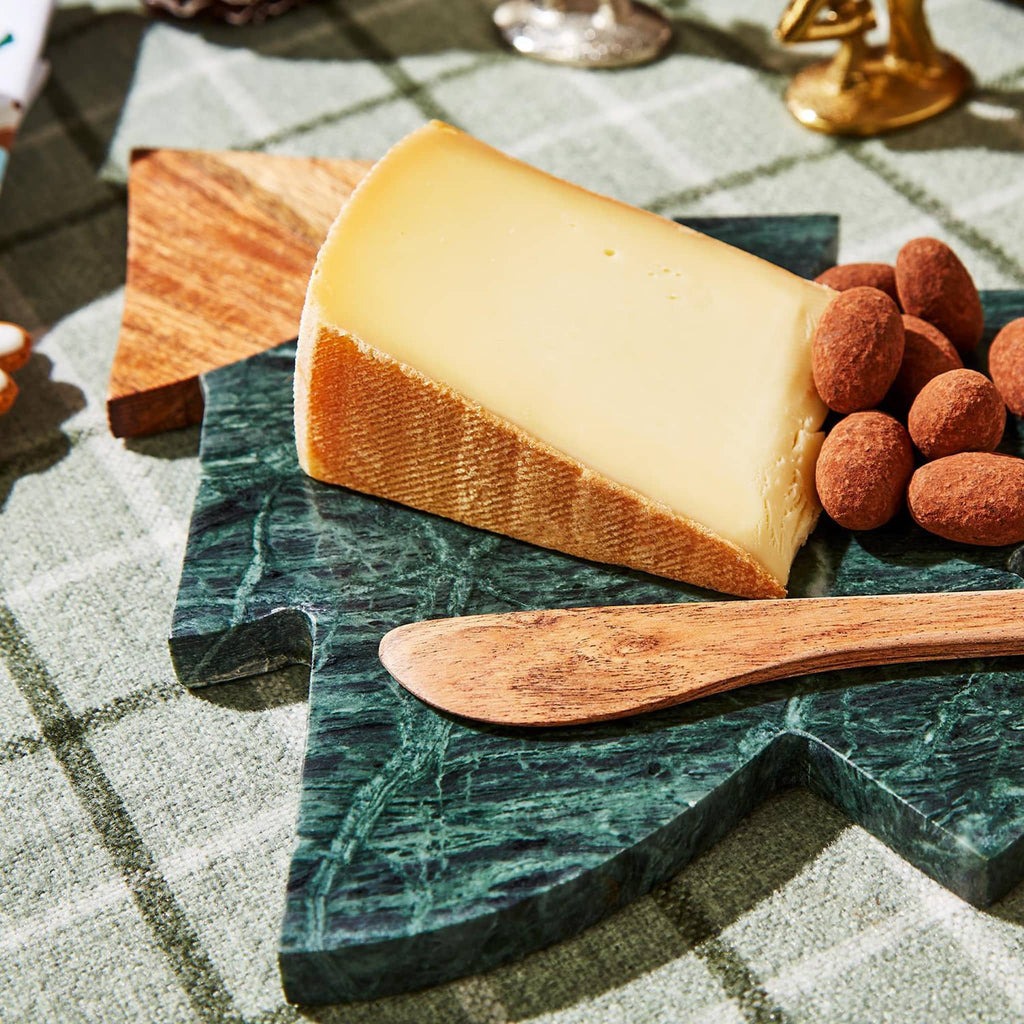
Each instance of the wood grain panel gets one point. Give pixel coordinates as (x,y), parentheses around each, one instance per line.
(220,246)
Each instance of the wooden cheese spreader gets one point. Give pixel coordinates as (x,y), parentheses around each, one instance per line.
(579,665)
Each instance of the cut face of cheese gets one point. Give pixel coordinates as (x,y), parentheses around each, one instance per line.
(489,343)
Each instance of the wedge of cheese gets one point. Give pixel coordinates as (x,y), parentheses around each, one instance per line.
(489,343)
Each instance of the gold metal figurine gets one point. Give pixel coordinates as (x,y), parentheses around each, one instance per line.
(867,89)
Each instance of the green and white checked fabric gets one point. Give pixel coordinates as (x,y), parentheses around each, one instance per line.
(145,830)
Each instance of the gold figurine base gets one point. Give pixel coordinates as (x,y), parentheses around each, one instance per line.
(884,94)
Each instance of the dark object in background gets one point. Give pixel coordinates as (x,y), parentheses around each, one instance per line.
(234,12)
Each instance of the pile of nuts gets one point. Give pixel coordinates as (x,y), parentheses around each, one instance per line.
(896,337)
(15,349)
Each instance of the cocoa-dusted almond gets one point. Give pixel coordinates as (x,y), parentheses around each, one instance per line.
(863,469)
(861,275)
(972,497)
(857,349)
(958,411)
(934,285)
(927,352)
(1006,364)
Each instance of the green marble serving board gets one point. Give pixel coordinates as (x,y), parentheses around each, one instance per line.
(429,847)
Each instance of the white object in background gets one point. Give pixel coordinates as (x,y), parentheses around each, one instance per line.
(23,25)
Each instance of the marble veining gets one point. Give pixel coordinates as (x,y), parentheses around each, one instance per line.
(429,847)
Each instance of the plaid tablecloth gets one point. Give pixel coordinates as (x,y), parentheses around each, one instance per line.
(145,830)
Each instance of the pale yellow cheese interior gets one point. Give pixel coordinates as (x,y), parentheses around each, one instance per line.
(667,361)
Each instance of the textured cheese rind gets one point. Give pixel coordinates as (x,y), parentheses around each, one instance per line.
(734,490)
(370,423)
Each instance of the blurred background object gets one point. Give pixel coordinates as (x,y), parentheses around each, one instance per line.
(15,349)
(868,89)
(234,12)
(22,70)
(584,33)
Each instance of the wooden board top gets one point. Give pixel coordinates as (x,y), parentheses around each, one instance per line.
(220,247)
